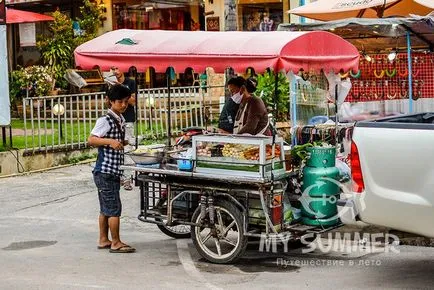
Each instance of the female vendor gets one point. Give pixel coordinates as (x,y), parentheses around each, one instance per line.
(252,115)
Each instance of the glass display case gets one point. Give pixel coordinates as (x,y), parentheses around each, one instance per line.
(238,155)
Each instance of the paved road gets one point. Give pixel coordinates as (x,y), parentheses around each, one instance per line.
(49,231)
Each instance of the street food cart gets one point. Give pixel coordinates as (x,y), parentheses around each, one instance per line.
(232,187)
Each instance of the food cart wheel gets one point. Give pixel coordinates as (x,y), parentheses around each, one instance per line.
(224,242)
(177,232)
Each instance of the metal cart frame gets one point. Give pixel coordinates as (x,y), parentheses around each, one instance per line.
(211,193)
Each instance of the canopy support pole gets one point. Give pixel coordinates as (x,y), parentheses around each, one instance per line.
(293,109)
(169,109)
(276,93)
(136,108)
(336,118)
(410,75)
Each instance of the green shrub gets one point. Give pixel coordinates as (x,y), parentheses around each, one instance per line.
(266,84)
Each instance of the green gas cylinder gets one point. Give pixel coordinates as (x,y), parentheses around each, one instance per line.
(321,157)
(320,181)
(319,207)
(320,187)
(320,222)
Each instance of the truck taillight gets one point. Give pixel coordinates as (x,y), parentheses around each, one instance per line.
(356,170)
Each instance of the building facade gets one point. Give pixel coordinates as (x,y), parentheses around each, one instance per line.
(172,15)
(250,15)
(190,15)
(25,54)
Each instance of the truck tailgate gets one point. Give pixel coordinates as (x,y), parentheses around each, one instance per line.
(397,162)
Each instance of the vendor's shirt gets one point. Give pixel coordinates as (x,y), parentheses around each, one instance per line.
(255,118)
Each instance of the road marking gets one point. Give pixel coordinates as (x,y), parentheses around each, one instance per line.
(57,200)
(188,264)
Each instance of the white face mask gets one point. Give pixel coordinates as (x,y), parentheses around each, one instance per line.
(237,98)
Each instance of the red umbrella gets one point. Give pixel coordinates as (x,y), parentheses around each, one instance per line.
(19,16)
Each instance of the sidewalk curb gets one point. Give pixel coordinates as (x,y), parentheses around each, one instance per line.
(49,168)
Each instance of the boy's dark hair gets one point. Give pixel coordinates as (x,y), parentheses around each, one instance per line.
(118,92)
(237,81)
(251,84)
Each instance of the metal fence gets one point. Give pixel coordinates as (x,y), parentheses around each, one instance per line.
(60,122)
(64,122)
(189,106)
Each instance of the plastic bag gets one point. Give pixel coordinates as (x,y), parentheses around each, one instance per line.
(74,78)
(344,169)
(344,87)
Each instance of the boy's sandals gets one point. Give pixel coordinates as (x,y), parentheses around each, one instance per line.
(127,184)
(108,246)
(123,249)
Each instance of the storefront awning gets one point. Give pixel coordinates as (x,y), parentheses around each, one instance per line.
(326,10)
(11,2)
(201,49)
(14,16)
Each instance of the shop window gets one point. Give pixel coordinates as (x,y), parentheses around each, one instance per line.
(141,17)
(261,17)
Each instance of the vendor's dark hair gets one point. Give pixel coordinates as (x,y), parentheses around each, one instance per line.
(118,92)
(237,81)
(132,72)
(251,84)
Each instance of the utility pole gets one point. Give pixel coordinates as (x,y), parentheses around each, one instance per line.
(5,108)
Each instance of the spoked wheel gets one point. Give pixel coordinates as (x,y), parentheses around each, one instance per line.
(223,242)
(177,232)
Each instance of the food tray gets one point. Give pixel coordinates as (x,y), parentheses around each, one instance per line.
(237,155)
(146,158)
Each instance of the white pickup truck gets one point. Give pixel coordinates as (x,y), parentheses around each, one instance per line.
(392,163)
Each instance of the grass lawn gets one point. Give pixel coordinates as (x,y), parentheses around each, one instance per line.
(72,133)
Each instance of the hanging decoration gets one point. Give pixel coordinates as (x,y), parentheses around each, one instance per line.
(379,76)
(344,75)
(382,80)
(356,75)
(403,74)
(391,74)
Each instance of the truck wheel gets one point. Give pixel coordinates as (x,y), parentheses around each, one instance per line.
(224,242)
(177,232)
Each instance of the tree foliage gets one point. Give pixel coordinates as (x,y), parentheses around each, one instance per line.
(266,84)
(92,15)
(57,48)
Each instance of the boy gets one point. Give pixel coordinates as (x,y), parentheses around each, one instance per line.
(130,113)
(109,136)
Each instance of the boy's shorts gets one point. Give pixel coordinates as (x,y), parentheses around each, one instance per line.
(108,193)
